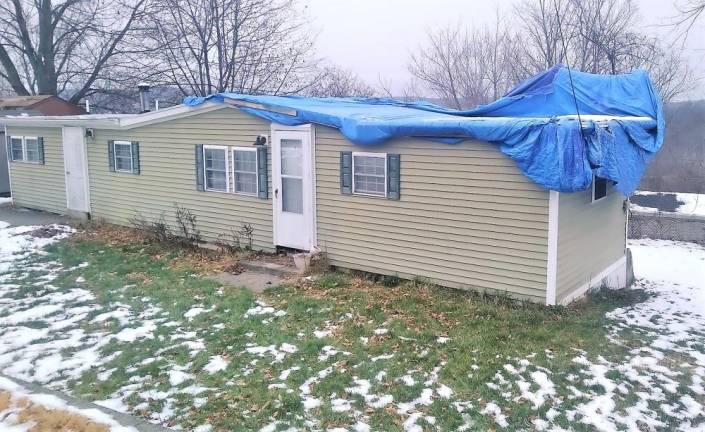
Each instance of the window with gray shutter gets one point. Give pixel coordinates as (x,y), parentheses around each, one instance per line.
(346,173)
(111,155)
(135,157)
(40,148)
(262,183)
(393,176)
(200,184)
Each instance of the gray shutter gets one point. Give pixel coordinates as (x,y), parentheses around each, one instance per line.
(8,146)
(135,157)
(393,177)
(263,185)
(346,173)
(111,155)
(40,149)
(200,185)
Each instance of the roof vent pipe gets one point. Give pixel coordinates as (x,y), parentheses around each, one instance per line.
(144,97)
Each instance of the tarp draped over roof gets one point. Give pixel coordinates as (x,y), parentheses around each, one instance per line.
(535,124)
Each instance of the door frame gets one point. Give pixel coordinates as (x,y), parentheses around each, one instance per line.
(86,180)
(276,130)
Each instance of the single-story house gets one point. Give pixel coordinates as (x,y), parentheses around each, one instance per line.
(462,215)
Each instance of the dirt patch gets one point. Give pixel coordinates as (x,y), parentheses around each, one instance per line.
(661,201)
(46,232)
(43,419)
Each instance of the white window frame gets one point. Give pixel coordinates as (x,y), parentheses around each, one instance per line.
(227,168)
(132,160)
(386,180)
(23,140)
(592,190)
(247,149)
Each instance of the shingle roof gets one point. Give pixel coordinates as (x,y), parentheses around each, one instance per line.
(21,101)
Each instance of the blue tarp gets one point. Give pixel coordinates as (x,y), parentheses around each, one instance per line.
(534,124)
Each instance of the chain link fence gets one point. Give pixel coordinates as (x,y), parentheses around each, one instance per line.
(666,226)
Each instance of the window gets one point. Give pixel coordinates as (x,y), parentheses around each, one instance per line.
(31,149)
(599,188)
(245,172)
(17,148)
(215,165)
(123,156)
(26,149)
(370,174)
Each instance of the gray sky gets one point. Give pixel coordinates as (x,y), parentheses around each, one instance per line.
(376,37)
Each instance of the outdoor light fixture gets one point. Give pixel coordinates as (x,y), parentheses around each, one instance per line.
(260,140)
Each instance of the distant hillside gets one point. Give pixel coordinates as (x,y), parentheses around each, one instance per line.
(680,165)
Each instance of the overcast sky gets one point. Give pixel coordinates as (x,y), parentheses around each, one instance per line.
(376,37)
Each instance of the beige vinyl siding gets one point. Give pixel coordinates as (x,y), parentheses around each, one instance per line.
(467,217)
(168,175)
(591,237)
(38,186)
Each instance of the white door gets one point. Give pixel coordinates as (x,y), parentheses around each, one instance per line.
(75,167)
(292,178)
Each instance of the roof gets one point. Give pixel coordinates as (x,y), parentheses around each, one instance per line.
(21,101)
(536,124)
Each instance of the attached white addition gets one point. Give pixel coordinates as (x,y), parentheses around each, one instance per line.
(292,187)
(369,173)
(76,169)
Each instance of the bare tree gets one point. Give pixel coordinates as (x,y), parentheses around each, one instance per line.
(690,12)
(465,68)
(598,36)
(468,67)
(334,81)
(64,46)
(250,46)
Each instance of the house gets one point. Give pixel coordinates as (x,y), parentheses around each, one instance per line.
(462,215)
(29,105)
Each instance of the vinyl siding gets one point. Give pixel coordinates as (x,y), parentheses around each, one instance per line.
(37,186)
(591,237)
(467,217)
(168,175)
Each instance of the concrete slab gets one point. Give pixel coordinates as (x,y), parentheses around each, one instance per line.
(20,216)
(254,281)
(270,268)
(124,419)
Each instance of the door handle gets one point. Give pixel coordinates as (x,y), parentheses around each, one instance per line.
(276,193)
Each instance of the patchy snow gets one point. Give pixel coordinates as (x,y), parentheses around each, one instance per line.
(9,421)
(216,364)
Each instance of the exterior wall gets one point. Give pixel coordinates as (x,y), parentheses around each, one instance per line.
(467,217)
(37,186)
(591,238)
(168,176)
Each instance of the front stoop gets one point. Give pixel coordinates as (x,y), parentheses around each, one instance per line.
(258,276)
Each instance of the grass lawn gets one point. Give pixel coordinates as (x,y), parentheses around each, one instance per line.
(142,330)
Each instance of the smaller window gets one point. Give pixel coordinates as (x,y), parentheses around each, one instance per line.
(215,164)
(245,170)
(599,188)
(31,149)
(370,174)
(122,151)
(17,149)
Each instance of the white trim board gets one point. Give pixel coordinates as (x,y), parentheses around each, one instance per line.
(615,275)
(552,253)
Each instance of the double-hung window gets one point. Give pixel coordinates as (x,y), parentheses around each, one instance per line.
(123,156)
(215,167)
(25,149)
(17,148)
(245,170)
(369,173)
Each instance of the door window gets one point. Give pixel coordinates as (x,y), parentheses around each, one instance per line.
(292,176)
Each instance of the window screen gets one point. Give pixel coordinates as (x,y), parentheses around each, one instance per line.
(370,174)
(245,171)
(215,164)
(123,156)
